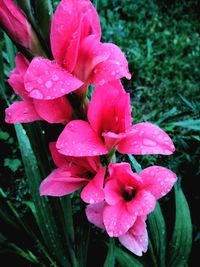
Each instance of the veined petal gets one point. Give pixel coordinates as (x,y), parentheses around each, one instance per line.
(146,138)
(57,110)
(59,183)
(158,180)
(66,22)
(94,213)
(115,67)
(46,80)
(78,139)
(117,219)
(21,112)
(133,241)
(93,191)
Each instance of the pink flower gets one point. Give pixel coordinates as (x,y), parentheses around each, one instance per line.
(135,239)
(73,174)
(16,25)
(80,58)
(28,110)
(109,126)
(129,195)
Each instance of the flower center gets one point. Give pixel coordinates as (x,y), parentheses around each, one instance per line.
(129,193)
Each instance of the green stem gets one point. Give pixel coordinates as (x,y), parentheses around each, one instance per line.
(110,259)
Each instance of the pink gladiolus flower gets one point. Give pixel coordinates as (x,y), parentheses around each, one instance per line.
(80,58)
(73,174)
(17,26)
(109,126)
(28,110)
(135,239)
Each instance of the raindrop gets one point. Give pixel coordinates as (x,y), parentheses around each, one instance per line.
(48,84)
(55,78)
(148,142)
(36,94)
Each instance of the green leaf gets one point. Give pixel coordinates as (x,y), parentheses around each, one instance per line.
(180,245)
(126,260)
(44,214)
(12,164)
(134,163)
(157,235)
(189,124)
(110,258)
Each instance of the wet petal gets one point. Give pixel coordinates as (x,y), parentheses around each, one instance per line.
(58,158)
(21,112)
(69,18)
(54,111)
(117,219)
(134,241)
(115,67)
(45,79)
(94,213)
(59,183)
(93,191)
(146,138)
(113,115)
(112,140)
(158,180)
(78,139)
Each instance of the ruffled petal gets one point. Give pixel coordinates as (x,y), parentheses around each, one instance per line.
(65,27)
(78,140)
(45,80)
(134,241)
(146,138)
(93,191)
(158,180)
(57,110)
(94,213)
(21,112)
(117,219)
(60,183)
(115,67)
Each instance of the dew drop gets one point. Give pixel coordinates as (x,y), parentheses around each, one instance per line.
(48,84)
(55,78)
(36,94)
(148,142)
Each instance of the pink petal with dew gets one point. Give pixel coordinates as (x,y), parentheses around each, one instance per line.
(78,140)
(93,191)
(117,219)
(57,110)
(46,80)
(142,204)
(60,183)
(67,19)
(158,180)
(112,140)
(21,112)
(91,53)
(16,78)
(113,192)
(58,159)
(136,242)
(146,138)
(115,67)
(113,115)
(94,213)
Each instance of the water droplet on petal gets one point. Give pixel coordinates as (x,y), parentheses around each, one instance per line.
(48,84)
(36,94)
(55,78)
(148,142)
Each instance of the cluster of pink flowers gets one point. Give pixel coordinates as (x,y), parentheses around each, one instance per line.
(118,199)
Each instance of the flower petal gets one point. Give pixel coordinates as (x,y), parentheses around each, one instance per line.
(115,67)
(54,111)
(45,79)
(58,158)
(112,140)
(158,180)
(113,115)
(117,219)
(59,183)
(78,140)
(133,241)
(94,213)
(64,27)
(146,138)
(93,191)
(21,112)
